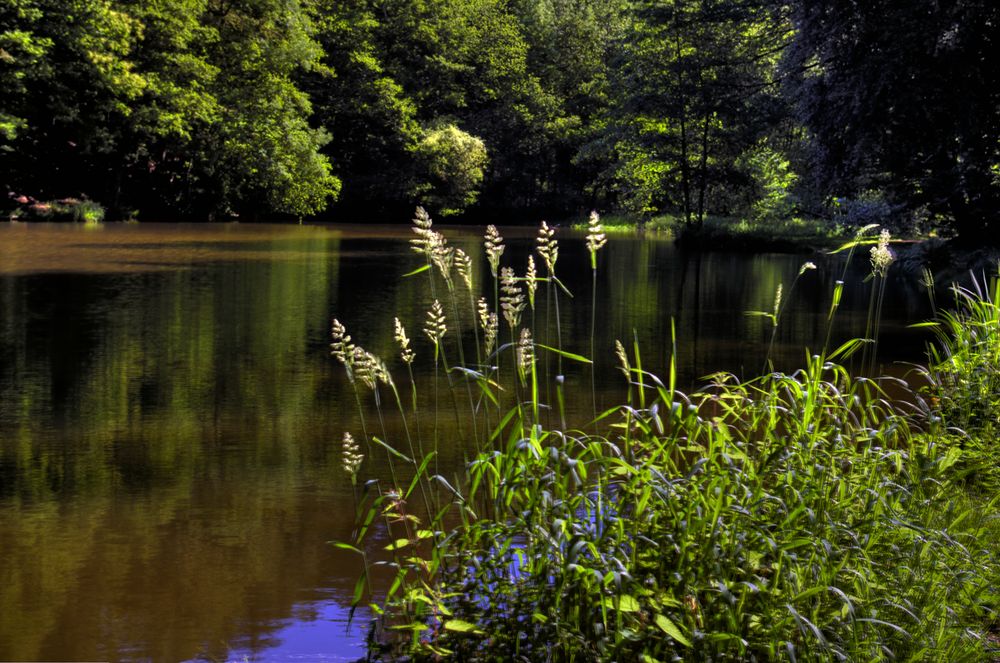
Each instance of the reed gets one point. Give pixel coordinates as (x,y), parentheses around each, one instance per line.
(799,516)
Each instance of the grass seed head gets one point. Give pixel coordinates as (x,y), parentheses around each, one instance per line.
(425,237)
(405,352)
(881,255)
(595,236)
(342,348)
(525,353)
(494,248)
(548,247)
(365,367)
(512,299)
(463,263)
(623,364)
(531,279)
(352,456)
(436,326)
(489,323)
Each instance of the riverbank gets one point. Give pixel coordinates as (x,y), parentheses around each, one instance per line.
(803,515)
(788,235)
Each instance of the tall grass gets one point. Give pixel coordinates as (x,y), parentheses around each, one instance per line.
(802,516)
(964,375)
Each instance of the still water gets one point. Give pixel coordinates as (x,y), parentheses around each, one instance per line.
(170,417)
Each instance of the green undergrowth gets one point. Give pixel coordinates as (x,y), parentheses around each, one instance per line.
(805,516)
(790,234)
(66,209)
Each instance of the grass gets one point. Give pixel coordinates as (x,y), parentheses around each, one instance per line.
(792,234)
(803,516)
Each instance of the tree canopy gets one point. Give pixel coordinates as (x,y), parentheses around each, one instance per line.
(215,108)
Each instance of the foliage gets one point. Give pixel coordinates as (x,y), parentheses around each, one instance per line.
(697,88)
(772,181)
(964,374)
(188,104)
(866,209)
(451,163)
(793,516)
(66,209)
(915,116)
(209,108)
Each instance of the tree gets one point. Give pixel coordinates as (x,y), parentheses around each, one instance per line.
(451,164)
(372,120)
(184,106)
(904,96)
(696,88)
(68,88)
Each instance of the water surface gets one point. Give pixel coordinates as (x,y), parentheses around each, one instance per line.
(170,418)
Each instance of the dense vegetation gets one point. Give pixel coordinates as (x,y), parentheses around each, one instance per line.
(754,109)
(805,516)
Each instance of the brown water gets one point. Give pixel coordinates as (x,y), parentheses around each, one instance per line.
(170,419)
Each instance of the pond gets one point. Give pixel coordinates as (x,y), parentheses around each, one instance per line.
(171,418)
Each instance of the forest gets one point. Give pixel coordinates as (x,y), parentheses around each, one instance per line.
(885,112)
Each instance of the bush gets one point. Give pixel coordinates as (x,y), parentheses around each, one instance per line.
(64,209)
(452,164)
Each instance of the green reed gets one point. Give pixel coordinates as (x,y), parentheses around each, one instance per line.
(802,516)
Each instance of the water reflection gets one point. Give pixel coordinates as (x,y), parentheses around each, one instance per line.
(170,419)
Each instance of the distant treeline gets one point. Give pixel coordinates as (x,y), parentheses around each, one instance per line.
(210,108)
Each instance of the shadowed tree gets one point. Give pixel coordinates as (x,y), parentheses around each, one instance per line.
(904,96)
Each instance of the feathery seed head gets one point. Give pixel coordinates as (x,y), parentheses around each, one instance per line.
(405,352)
(341,348)
(436,326)
(881,255)
(512,300)
(352,456)
(381,371)
(525,354)
(483,310)
(623,364)
(425,237)
(531,279)
(489,323)
(777,304)
(443,257)
(494,248)
(595,237)
(548,247)
(463,263)
(492,330)
(421,218)
(432,244)
(806,266)
(365,367)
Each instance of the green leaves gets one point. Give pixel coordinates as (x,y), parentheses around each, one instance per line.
(459,626)
(671,629)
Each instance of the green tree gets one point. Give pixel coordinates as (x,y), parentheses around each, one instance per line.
(182,106)
(270,155)
(372,120)
(696,87)
(904,96)
(68,88)
(451,164)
